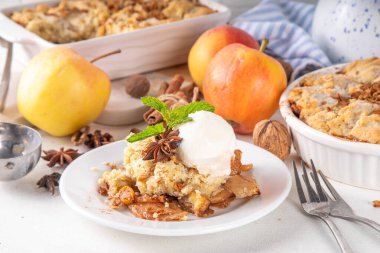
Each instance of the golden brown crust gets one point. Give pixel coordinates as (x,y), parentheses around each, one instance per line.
(158,211)
(364,71)
(75,20)
(345,104)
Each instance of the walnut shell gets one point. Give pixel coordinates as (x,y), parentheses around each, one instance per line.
(287,67)
(272,136)
(137,86)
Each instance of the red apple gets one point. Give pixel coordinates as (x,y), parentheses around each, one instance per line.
(244,85)
(209,43)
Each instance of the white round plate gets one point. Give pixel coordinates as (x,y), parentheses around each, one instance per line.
(78,187)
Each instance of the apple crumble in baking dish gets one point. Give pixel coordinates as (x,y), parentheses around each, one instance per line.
(187,164)
(345,104)
(75,20)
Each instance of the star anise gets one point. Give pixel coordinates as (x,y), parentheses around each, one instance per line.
(49,182)
(164,147)
(98,139)
(61,157)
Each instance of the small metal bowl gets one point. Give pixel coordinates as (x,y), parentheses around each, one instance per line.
(20,150)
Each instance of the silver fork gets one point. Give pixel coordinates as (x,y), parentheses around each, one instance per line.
(318,205)
(339,208)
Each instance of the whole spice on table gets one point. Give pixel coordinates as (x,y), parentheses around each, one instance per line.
(272,136)
(173,96)
(137,86)
(92,140)
(98,139)
(60,157)
(49,182)
(376,203)
(80,136)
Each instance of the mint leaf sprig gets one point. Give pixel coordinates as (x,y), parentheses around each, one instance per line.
(147,132)
(171,118)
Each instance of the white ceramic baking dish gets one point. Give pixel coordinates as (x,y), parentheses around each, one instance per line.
(353,163)
(143,50)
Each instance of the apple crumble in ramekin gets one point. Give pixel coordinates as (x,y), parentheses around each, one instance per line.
(345,104)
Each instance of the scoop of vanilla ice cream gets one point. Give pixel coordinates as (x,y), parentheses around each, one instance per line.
(208,143)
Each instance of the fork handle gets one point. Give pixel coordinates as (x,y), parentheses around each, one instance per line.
(344,247)
(366,221)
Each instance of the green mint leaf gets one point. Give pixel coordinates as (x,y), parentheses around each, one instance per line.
(177,116)
(179,121)
(184,111)
(157,104)
(147,132)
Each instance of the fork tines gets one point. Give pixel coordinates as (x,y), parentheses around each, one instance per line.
(314,197)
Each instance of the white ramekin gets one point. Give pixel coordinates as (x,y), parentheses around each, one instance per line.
(143,50)
(352,163)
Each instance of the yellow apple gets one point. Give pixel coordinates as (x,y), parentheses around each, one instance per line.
(60,91)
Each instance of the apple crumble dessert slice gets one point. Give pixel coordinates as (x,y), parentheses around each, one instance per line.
(175,171)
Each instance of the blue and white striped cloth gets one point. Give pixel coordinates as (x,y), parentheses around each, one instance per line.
(287,25)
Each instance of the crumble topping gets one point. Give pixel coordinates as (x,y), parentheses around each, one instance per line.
(75,20)
(345,104)
(364,71)
(168,190)
(169,177)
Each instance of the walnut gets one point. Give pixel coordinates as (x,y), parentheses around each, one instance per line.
(272,136)
(287,68)
(137,86)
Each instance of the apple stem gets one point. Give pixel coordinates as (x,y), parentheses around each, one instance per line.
(264,44)
(105,55)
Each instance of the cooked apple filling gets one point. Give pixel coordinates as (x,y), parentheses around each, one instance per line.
(75,20)
(168,190)
(345,104)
